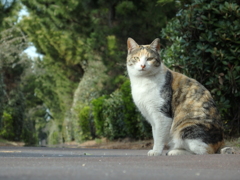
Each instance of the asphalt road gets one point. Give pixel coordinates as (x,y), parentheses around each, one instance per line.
(41,163)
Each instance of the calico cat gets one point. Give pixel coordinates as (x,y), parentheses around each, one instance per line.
(180,110)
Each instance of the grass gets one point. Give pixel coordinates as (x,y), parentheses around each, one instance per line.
(233,143)
(3,140)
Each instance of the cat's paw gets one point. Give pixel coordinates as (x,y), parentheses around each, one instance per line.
(153,153)
(227,150)
(176,152)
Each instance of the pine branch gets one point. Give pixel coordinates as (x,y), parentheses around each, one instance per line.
(12,44)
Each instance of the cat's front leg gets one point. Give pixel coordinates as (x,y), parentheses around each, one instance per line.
(156,151)
(160,130)
(157,145)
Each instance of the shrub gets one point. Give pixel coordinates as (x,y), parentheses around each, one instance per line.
(7,130)
(205,46)
(29,135)
(98,115)
(113,116)
(85,123)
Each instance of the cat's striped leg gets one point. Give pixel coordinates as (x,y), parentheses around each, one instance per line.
(197,146)
(204,138)
(193,146)
(181,146)
(197,138)
(178,147)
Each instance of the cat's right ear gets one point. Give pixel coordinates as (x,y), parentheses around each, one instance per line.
(131,44)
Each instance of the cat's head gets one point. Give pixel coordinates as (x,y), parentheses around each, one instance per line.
(143,59)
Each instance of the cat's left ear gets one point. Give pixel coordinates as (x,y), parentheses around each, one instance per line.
(155,45)
(131,44)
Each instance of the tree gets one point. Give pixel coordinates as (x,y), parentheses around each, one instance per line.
(16,91)
(6,8)
(82,42)
(12,42)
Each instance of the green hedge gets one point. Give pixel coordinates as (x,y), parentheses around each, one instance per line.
(205,44)
(98,115)
(85,123)
(113,117)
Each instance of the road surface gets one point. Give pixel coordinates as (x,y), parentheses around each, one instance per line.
(41,163)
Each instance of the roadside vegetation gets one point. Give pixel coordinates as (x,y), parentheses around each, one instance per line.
(78,89)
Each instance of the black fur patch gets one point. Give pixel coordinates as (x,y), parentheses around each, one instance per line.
(166,94)
(209,135)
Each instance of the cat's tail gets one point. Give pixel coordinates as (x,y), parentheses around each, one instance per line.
(227,150)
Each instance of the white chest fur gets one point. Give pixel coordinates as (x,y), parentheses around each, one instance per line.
(146,94)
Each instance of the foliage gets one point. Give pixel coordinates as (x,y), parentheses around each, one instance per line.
(53,28)
(7,130)
(98,115)
(55,136)
(16,108)
(8,13)
(85,123)
(114,125)
(82,42)
(12,42)
(205,46)
(77,90)
(109,116)
(18,75)
(1,99)
(29,135)
(13,65)
(117,117)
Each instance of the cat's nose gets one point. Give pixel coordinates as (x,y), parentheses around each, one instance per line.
(143,66)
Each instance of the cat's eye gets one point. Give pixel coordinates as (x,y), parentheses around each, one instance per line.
(150,58)
(136,58)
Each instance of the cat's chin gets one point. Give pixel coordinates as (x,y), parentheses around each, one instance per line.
(142,73)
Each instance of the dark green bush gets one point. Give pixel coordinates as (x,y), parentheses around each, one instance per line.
(113,116)
(29,137)
(98,115)
(129,110)
(85,123)
(7,130)
(205,44)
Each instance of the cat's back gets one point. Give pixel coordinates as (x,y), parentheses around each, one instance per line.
(191,100)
